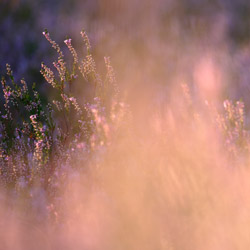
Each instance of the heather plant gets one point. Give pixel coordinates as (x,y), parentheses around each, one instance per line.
(38,139)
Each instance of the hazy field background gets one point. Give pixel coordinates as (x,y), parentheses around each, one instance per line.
(175,175)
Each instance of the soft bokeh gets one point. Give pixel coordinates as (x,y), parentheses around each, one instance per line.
(168,168)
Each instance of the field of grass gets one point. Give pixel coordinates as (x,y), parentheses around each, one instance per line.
(160,164)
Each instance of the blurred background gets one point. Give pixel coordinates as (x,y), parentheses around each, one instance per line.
(153,45)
